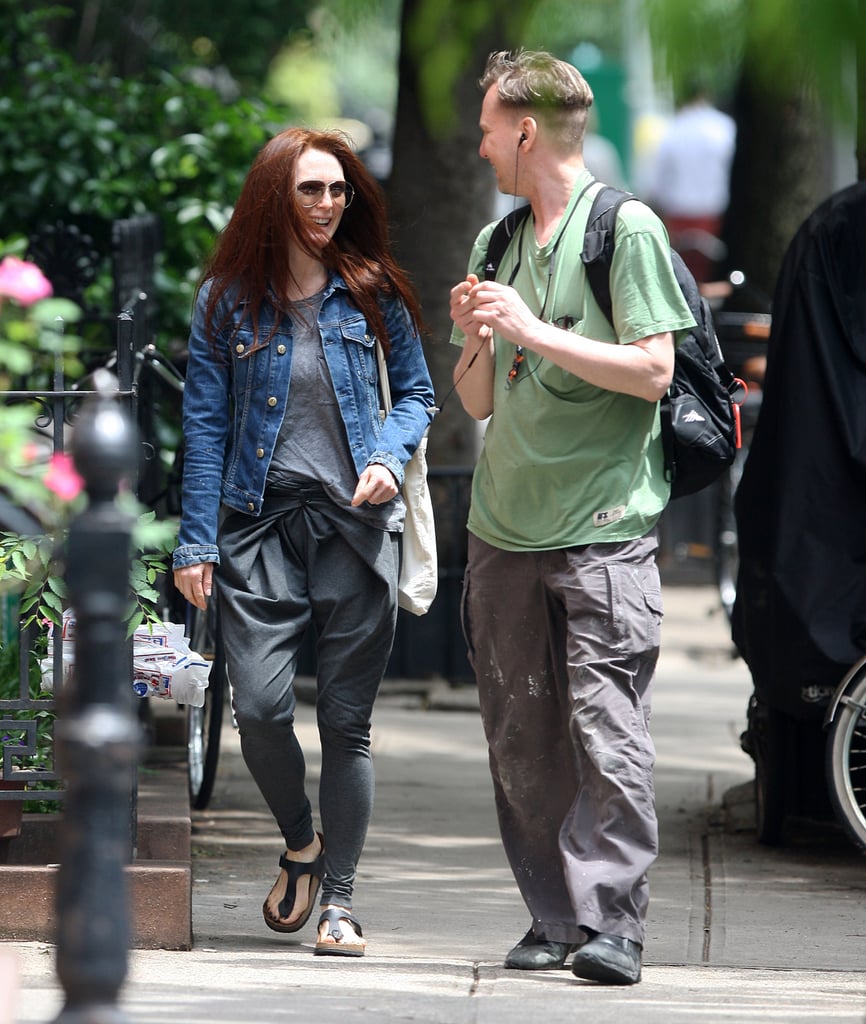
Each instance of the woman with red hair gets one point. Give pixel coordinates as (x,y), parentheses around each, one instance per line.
(291,491)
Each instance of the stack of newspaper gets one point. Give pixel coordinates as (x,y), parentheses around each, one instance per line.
(162,663)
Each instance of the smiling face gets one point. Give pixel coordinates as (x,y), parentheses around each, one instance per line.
(324,217)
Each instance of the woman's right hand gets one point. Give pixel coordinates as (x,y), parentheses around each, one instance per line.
(195,582)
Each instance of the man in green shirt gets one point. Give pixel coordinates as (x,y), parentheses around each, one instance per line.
(562,606)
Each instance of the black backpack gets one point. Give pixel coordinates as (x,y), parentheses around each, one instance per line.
(700,418)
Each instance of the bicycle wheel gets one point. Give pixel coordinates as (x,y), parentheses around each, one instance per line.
(204,724)
(846,760)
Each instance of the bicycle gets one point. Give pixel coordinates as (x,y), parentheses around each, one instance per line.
(784,750)
(203,724)
(845,762)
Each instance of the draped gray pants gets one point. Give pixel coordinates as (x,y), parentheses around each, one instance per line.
(302,562)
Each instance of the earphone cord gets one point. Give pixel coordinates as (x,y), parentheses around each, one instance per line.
(453,388)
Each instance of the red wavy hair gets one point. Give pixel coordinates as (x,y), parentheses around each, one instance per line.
(251,255)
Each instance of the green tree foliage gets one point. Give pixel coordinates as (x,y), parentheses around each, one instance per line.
(784,43)
(558,27)
(128,38)
(800,73)
(81,145)
(242,37)
(346,57)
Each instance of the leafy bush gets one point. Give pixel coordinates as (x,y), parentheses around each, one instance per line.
(44,488)
(82,146)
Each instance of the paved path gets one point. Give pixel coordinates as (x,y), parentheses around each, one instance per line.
(737,932)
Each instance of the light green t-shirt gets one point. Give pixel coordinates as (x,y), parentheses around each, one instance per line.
(565,462)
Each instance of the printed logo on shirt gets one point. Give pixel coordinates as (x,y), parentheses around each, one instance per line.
(610,515)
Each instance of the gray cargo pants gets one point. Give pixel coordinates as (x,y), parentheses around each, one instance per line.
(564,645)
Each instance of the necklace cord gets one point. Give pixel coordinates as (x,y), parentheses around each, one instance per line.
(519,354)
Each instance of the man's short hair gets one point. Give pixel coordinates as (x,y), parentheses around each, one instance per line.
(553,90)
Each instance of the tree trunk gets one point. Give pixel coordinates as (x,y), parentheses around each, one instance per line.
(440,194)
(781,170)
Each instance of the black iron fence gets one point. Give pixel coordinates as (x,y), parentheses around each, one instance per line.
(27,713)
(55,410)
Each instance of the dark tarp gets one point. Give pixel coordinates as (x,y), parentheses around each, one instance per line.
(799,620)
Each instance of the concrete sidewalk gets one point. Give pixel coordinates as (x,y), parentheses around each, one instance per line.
(737,932)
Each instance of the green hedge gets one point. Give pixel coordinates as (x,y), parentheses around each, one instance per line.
(82,146)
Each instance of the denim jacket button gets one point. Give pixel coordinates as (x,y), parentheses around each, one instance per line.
(239,348)
(251,506)
(272,401)
(260,453)
(281,350)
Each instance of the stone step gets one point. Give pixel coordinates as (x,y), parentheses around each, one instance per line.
(159,878)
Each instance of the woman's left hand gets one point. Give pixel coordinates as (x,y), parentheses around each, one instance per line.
(376,485)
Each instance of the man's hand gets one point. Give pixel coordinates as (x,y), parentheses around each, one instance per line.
(461,305)
(498,307)
(643,368)
(473,373)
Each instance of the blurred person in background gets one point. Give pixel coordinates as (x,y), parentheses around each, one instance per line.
(689,180)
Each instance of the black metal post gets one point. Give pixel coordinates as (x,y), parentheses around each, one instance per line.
(97,734)
(125,350)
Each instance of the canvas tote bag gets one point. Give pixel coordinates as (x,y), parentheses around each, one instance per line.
(419,569)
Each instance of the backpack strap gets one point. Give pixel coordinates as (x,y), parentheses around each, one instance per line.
(598,243)
(502,235)
(597,257)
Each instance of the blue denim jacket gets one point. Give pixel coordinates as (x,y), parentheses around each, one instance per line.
(233,408)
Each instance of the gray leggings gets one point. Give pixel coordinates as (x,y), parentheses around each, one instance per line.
(304,561)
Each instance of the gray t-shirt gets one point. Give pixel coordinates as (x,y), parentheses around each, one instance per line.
(311,444)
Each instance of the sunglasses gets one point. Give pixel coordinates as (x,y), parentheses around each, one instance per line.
(311,193)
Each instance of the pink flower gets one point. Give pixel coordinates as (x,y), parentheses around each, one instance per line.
(31,452)
(22,281)
(62,478)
